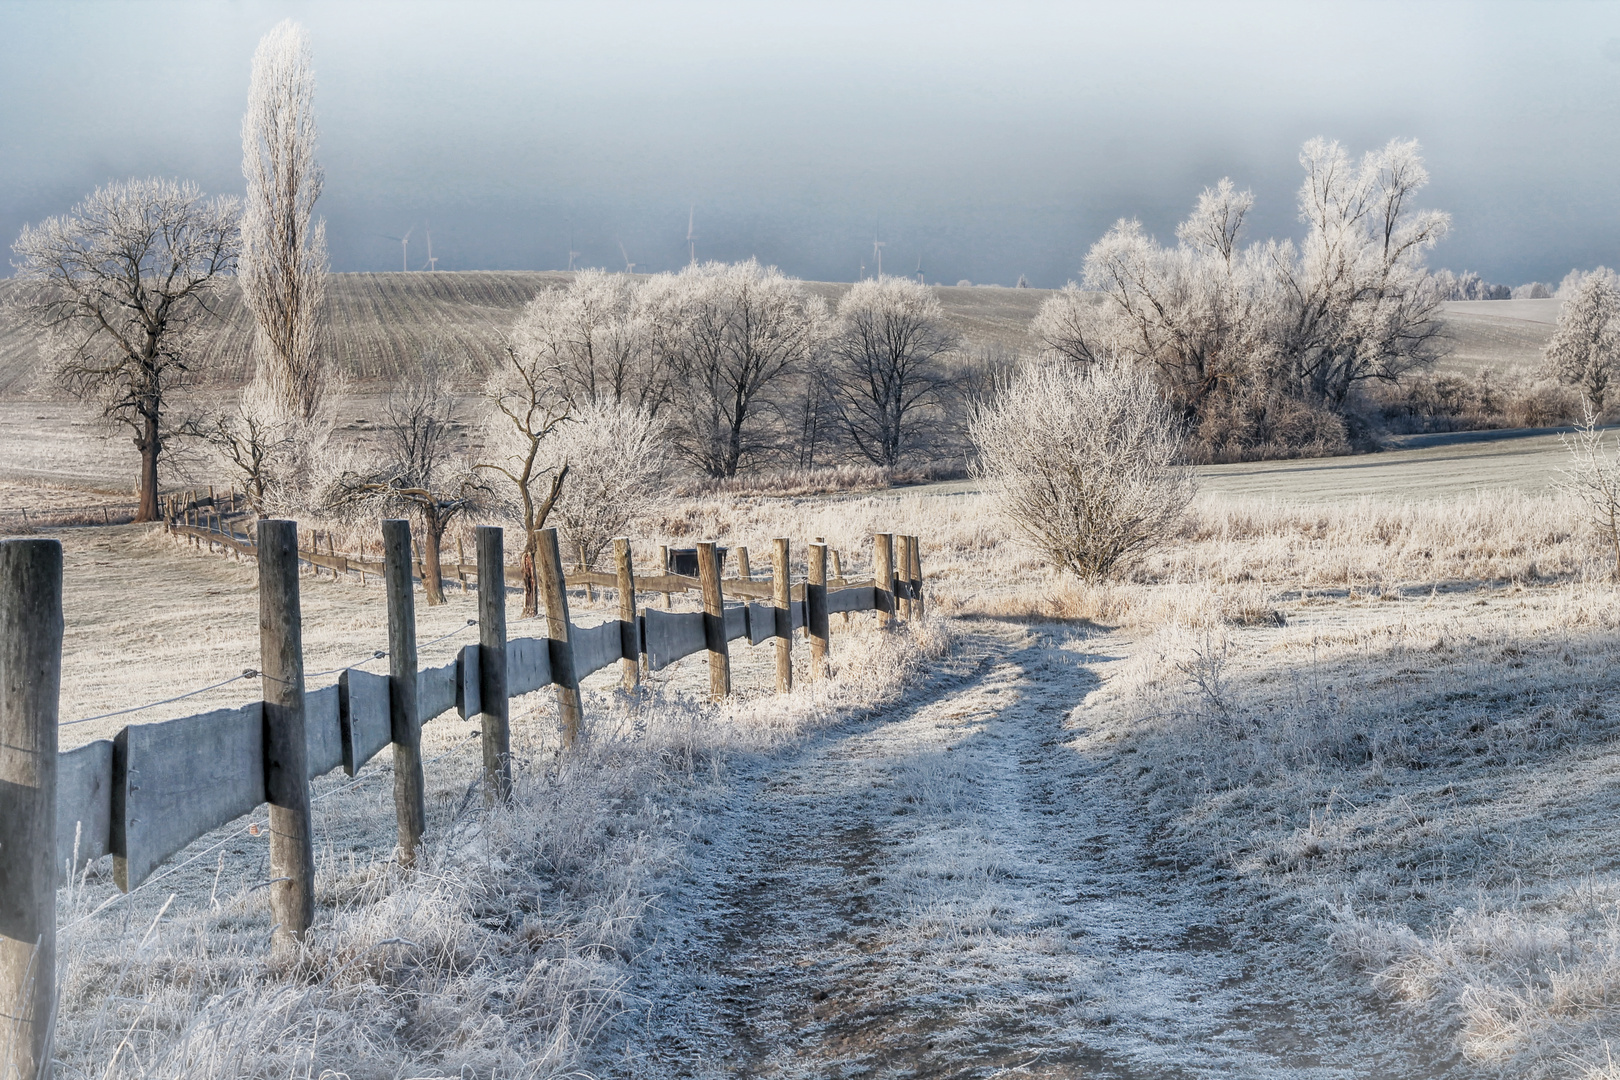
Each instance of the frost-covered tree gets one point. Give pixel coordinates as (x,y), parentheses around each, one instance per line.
(1073,326)
(1585,347)
(734,335)
(593,337)
(421,468)
(526,403)
(886,346)
(1248,342)
(1359,302)
(1085,464)
(256,443)
(119,282)
(615,456)
(283,263)
(1197,314)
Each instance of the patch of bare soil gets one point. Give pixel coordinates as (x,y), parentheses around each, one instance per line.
(954,888)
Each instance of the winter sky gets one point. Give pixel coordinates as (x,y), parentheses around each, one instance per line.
(990,140)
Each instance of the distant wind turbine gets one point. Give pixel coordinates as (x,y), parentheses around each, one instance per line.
(629,267)
(877,254)
(691,237)
(919,271)
(572,254)
(432,263)
(405,250)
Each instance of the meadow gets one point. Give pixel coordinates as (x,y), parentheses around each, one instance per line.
(1321,787)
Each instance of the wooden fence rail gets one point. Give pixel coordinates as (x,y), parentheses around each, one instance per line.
(155,788)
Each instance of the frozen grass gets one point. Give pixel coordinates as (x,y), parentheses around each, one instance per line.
(1395,713)
(502,954)
(1435,771)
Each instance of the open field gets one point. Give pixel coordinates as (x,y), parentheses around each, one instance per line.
(1504,334)
(1321,790)
(379,326)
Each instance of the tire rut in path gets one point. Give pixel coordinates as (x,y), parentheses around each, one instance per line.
(947,890)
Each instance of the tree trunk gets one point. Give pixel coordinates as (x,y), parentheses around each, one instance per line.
(531,583)
(432,532)
(148,509)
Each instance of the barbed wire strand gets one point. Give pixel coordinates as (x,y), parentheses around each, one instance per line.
(251,673)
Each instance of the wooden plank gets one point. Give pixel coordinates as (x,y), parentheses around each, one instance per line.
(595,647)
(435,691)
(323,730)
(469,688)
(736,621)
(180,779)
(84,803)
(363,711)
(761,623)
(528,665)
(672,635)
(859,598)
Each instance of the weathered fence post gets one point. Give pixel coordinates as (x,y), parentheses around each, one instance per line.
(782,601)
(30,685)
(902,600)
(286,757)
(554,590)
(838,573)
(714,621)
(815,610)
(663,568)
(629,629)
(743,570)
(410,797)
(883,577)
(497,737)
(914,572)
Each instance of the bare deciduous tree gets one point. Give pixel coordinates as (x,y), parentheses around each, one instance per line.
(1585,346)
(1072,326)
(423,469)
(525,407)
(614,456)
(283,264)
(594,338)
(1359,303)
(891,334)
(119,282)
(255,443)
(735,334)
(1085,465)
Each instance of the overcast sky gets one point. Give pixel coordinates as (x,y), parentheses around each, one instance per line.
(988,140)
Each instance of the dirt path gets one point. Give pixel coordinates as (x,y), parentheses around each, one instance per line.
(950,889)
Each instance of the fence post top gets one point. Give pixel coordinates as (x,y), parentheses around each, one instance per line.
(40,542)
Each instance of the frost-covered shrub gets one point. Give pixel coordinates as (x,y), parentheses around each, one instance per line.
(1086,466)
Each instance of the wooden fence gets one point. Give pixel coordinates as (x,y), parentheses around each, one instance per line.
(155,788)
